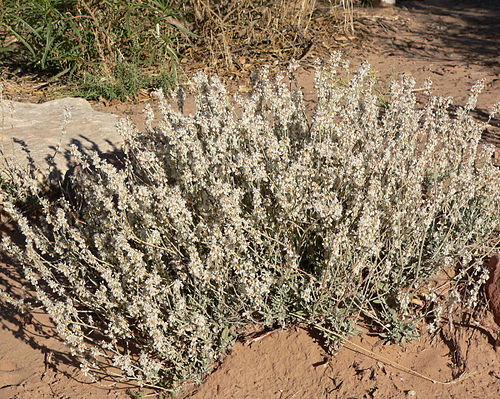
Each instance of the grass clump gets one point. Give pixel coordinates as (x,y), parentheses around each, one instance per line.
(247,211)
(111,48)
(237,35)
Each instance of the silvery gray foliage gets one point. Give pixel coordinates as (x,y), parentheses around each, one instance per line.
(246,211)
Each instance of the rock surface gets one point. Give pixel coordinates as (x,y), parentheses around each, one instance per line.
(493,287)
(34,131)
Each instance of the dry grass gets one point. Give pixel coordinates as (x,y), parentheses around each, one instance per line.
(231,38)
(239,36)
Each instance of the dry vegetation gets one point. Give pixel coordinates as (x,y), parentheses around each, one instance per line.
(247,211)
(251,212)
(116,49)
(240,35)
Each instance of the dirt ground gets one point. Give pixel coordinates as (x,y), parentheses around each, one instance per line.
(452,44)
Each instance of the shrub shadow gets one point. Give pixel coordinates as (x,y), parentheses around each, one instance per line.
(33,327)
(476,39)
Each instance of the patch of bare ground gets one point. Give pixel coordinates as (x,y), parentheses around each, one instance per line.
(292,364)
(454,43)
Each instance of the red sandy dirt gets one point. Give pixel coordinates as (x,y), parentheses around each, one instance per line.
(291,364)
(454,45)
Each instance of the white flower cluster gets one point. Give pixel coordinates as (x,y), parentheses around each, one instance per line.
(248,211)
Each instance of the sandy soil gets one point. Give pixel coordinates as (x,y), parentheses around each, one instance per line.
(454,45)
(292,364)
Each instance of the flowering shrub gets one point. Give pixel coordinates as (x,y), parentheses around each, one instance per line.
(247,211)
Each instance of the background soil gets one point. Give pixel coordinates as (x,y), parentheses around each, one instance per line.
(452,44)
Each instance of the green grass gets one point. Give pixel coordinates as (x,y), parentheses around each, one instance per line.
(112,49)
(107,49)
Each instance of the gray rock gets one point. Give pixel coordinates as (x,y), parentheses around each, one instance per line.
(31,132)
